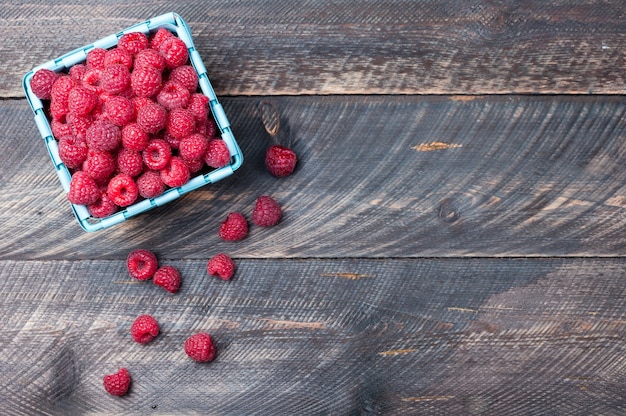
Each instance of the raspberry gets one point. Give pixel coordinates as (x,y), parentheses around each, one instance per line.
(149,57)
(77,72)
(194,166)
(234,227)
(117,384)
(193,147)
(72,151)
(199,106)
(115,78)
(133,42)
(58,109)
(41,83)
(222,266)
(152,117)
(207,128)
(140,102)
(145,81)
(144,329)
(168,277)
(171,140)
(61,88)
(123,190)
(95,58)
(280,161)
(103,207)
(92,80)
(173,94)
(180,123)
(119,110)
(100,165)
(129,162)
(118,56)
(150,184)
(200,347)
(83,189)
(159,36)
(79,124)
(60,129)
(157,154)
(81,101)
(141,264)
(187,76)
(175,173)
(267,211)
(134,137)
(217,154)
(174,51)
(103,135)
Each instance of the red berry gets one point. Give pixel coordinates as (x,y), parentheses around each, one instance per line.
(77,72)
(180,123)
(145,81)
(150,184)
(157,154)
(194,166)
(83,189)
(103,135)
(175,173)
(280,161)
(118,56)
(144,329)
(130,162)
(141,264)
(173,94)
(174,51)
(81,101)
(117,384)
(168,277)
(199,106)
(159,37)
(187,76)
(119,110)
(41,83)
(267,211)
(92,80)
(193,147)
(200,347)
(133,42)
(100,165)
(115,78)
(222,266)
(234,227)
(217,154)
(103,207)
(60,128)
(134,137)
(149,57)
(79,124)
(152,117)
(123,190)
(95,58)
(72,151)
(61,88)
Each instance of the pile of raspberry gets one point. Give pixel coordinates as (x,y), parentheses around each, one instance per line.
(130,121)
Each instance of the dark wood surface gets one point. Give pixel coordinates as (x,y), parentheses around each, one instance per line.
(452,240)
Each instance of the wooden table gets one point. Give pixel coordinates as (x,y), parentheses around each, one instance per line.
(452,238)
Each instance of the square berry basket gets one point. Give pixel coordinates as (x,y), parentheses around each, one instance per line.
(173,23)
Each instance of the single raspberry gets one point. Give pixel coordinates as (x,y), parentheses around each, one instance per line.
(193,147)
(187,76)
(103,207)
(61,88)
(267,211)
(58,109)
(81,101)
(129,162)
(222,266)
(157,154)
(83,189)
(159,36)
(180,123)
(168,277)
(60,128)
(199,106)
(123,190)
(79,124)
(41,83)
(115,78)
(144,329)
(172,95)
(103,135)
(100,165)
(118,56)
(175,173)
(217,154)
(117,384)
(92,80)
(134,137)
(133,42)
(77,72)
(141,264)
(119,110)
(72,151)
(150,184)
(175,52)
(95,58)
(194,166)
(200,347)
(152,117)
(145,81)
(280,161)
(234,227)
(149,57)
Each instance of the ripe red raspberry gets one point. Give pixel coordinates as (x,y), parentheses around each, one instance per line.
(103,207)
(83,189)
(41,83)
(193,147)
(217,154)
(79,124)
(122,190)
(72,151)
(187,76)
(234,227)
(100,165)
(157,154)
(103,135)
(149,57)
(118,56)
(222,266)
(144,329)
(141,264)
(207,128)
(152,117)
(174,51)
(267,211)
(58,109)
(129,162)
(61,88)
(95,58)
(134,137)
(119,110)
(168,277)
(92,80)
(81,101)
(150,184)
(172,95)
(180,123)
(115,78)
(175,173)
(194,166)
(145,81)
(159,36)
(60,128)
(199,106)
(77,72)
(171,140)
(133,42)
(117,384)
(200,347)
(280,161)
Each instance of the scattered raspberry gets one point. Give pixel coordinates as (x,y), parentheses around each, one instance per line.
(119,110)
(187,76)
(103,207)
(193,147)
(180,123)
(267,211)
(72,151)
(157,154)
(217,154)
(199,106)
(130,162)
(145,81)
(222,266)
(95,58)
(159,37)
(173,94)
(134,137)
(144,329)
(117,384)
(83,189)
(41,83)
(174,51)
(103,135)
(280,161)
(133,42)
(150,57)
(122,190)
(118,56)
(142,264)
(152,117)
(100,165)
(234,227)
(168,277)
(200,347)
(115,78)
(175,173)
(150,184)
(81,101)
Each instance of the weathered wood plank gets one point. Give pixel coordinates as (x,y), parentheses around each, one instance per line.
(335,336)
(387,176)
(354,47)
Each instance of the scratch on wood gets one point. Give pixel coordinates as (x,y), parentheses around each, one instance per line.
(396,352)
(279,324)
(429,147)
(463,97)
(350,276)
(427,398)
(454,308)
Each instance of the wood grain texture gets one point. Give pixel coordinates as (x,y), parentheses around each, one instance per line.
(378,177)
(447,336)
(257,47)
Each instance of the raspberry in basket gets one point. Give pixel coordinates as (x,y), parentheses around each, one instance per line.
(151,117)
(180,123)
(83,189)
(122,190)
(41,83)
(99,165)
(134,137)
(150,184)
(133,42)
(217,154)
(157,154)
(175,173)
(173,94)
(145,81)
(103,135)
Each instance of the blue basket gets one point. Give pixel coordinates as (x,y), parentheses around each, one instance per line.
(174,23)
